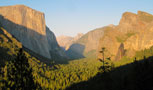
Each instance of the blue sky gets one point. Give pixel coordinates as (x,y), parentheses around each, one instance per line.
(69,17)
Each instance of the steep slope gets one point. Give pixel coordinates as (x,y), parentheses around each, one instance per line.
(134,31)
(89,43)
(137,75)
(28,26)
(8,46)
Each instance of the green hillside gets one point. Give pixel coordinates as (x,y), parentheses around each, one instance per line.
(49,76)
(130,74)
(8,46)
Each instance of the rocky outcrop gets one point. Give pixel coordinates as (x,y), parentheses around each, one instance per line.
(134,30)
(28,26)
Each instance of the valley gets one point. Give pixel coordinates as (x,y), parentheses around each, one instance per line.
(79,62)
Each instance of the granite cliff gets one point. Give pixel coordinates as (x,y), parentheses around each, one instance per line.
(134,32)
(28,26)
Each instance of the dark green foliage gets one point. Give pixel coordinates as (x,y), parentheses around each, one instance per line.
(48,76)
(62,76)
(19,74)
(135,76)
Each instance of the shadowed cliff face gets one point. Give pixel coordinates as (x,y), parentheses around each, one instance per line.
(121,52)
(55,51)
(134,30)
(28,37)
(28,26)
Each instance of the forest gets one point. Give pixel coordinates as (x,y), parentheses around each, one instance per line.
(82,74)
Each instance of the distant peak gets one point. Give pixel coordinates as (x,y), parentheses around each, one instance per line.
(80,34)
(111,25)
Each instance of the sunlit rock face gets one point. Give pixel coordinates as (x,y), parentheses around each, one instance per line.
(28,26)
(135,32)
(141,26)
(91,39)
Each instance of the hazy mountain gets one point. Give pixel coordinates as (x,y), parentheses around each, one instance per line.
(66,41)
(28,26)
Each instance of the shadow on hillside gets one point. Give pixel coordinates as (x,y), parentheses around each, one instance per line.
(4,56)
(134,76)
(75,51)
(17,30)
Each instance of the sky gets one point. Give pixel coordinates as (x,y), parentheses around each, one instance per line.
(69,17)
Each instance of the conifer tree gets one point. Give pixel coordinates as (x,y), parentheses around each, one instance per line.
(20,74)
(105,64)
